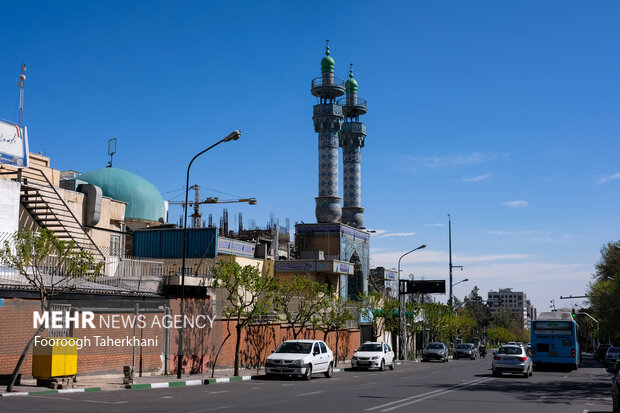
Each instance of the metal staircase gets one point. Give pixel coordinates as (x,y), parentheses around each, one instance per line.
(43,202)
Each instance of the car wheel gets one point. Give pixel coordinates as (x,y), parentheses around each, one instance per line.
(531,371)
(382,366)
(393,364)
(526,374)
(424,360)
(330,371)
(308,374)
(270,376)
(494,373)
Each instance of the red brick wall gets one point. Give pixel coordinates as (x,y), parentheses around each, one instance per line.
(200,345)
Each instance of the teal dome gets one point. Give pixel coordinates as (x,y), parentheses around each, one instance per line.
(327,64)
(144,201)
(351,84)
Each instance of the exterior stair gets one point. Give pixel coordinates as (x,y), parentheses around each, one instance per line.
(49,210)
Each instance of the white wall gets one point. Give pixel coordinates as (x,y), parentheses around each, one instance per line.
(9,206)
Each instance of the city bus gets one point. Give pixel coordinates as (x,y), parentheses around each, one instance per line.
(555,339)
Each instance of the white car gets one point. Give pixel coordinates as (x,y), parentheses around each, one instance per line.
(373,355)
(300,358)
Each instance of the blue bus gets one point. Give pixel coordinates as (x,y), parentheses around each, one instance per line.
(555,339)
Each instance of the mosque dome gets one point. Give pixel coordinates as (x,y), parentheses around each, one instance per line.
(327,64)
(351,84)
(144,202)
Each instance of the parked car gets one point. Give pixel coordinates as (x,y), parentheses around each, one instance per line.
(511,359)
(301,358)
(465,350)
(373,355)
(435,351)
(600,352)
(615,386)
(613,353)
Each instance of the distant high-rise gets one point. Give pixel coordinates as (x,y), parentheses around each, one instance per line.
(515,302)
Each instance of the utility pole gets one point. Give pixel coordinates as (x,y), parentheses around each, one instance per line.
(20,84)
(450,253)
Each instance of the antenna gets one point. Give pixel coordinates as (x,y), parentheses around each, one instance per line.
(111,150)
(20,84)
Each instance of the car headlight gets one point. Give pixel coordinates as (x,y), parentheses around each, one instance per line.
(354,358)
(375,358)
(298,363)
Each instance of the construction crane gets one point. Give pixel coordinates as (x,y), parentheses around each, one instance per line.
(197,216)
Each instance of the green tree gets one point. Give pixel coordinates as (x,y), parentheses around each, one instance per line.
(50,266)
(604,291)
(249,295)
(299,300)
(334,317)
(479,311)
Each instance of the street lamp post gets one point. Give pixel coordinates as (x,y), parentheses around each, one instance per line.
(231,137)
(401,312)
(450,263)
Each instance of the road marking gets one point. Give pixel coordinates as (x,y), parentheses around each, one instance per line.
(212,409)
(308,394)
(166,397)
(420,397)
(288,384)
(217,392)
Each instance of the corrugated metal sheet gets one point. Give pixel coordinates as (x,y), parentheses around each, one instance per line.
(168,243)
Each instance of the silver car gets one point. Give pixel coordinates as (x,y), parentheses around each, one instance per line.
(435,351)
(465,350)
(613,353)
(512,359)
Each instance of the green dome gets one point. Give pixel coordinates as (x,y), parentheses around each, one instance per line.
(327,64)
(144,201)
(351,84)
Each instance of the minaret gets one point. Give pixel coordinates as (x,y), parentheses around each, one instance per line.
(352,137)
(327,119)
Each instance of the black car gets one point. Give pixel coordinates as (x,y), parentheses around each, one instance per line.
(615,387)
(600,352)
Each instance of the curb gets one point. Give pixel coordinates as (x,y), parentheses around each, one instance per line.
(164,384)
(29,393)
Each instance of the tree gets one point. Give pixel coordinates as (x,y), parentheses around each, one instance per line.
(479,311)
(334,317)
(299,300)
(49,265)
(604,292)
(249,294)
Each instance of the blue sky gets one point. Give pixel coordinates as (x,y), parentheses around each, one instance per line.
(503,114)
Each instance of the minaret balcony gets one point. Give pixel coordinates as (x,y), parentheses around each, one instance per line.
(327,109)
(352,106)
(353,127)
(327,87)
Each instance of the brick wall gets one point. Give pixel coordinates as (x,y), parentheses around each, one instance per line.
(200,345)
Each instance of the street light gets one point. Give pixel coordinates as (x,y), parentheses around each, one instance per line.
(401,313)
(233,136)
(462,281)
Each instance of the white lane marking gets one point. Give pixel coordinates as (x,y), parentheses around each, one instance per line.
(430,393)
(166,397)
(212,409)
(217,392)
(288,384)
(433,395)
(308,394)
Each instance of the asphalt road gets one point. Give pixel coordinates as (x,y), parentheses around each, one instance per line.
(456,386)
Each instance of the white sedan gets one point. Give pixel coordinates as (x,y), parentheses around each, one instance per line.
(373,355)
(301,358)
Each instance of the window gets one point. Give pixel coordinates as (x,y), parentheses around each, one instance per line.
(316,349)
(323,347)
(115,246)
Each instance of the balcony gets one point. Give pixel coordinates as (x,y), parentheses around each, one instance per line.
(327,87)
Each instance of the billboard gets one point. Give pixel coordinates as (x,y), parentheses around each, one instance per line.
(13,144)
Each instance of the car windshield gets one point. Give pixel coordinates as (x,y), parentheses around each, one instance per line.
(462,346)
(614,350)
(509,350)
(370,347)
(434,346)
(294,347)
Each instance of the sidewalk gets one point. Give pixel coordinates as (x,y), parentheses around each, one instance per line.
(115,381)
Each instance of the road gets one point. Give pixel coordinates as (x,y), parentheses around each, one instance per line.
(456,386)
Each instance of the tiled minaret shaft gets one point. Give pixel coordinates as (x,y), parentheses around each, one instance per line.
(352,136)
(327,117)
